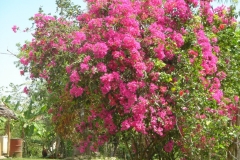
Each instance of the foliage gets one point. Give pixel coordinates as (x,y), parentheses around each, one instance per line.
(159,76)
(68,9)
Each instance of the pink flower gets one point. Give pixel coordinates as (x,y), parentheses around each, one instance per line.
(24,61)
(25,90)
(156,31)
(117,54)
(139,126)
(152,87)
(14,28)
(101,67)
(44,74)
(163,89)
(216,49)
(32,75)
(68,69)
(154,76)
(214,39)
(84,67)
(129,42)
(79,37)
(132,86)
(140,67)
(74,77)
(30,54)
(203,116)
(50,111)
(93,148)
(169,146)
(209,62)
(100,50)
(82,149)
(221,75)
(158,130)
(160,51)
(76,91)
(22,72)
(106,88)
(217,95)
(86,59)
(236,99)
(95,23)
(177,37)
(106,78)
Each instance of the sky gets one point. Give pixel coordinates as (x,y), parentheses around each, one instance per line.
(18,12)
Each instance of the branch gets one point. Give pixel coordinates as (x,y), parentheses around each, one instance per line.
(5,53)
(10,53)
(126,144)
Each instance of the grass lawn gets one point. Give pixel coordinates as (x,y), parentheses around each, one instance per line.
(46,159)
(27,159)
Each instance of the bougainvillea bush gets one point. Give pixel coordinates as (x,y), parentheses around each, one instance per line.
(159,76)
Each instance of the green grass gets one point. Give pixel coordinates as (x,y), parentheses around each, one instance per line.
(50,159)
(27,159)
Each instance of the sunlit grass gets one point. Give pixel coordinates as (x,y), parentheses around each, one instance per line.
(27,159)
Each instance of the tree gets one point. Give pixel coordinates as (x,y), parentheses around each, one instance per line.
(151,74)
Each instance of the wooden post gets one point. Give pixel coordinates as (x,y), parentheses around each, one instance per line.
(57,145)
(0,148)
(9,136)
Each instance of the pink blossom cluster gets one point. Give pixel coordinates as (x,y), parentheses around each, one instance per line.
(25,90)
(76,91)
(169,146)
(79,37)
(206,10)
(24,61)
(14,28)
(209,62)
(41,20)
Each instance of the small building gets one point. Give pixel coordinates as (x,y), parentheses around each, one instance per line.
(9,114)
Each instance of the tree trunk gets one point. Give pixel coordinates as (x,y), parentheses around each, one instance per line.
(237,149)
(234,149)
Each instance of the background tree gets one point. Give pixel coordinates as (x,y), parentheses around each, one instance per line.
(33,124)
